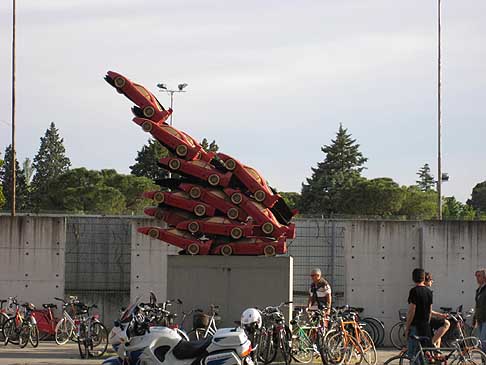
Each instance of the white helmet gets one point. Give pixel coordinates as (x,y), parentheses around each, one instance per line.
(251,317)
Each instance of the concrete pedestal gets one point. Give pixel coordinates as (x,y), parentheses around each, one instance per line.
(234,283)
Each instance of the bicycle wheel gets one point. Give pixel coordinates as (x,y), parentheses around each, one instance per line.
(401,359)
(473,357)
(11,332)
(3,318)
(333,349)
(285,339)
(302,347)
(82,342)
(397,335)
(34,335)
(268,351)
(354,352)
(98,340)
(379,328)
(371,328)
(24,334)
(369,350)
(64,331)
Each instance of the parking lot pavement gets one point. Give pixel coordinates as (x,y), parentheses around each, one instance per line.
(48,353)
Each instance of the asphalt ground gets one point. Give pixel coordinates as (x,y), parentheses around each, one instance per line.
(49,353)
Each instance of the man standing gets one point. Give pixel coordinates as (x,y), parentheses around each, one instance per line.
(319,293)
(479,320)
(419,310)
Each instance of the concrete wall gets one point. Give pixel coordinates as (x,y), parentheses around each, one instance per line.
(233,283)
(32,258)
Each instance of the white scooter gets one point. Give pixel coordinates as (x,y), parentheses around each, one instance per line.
(138,344)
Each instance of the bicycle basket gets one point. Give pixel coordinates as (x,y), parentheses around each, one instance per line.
(402,314)
(200,320)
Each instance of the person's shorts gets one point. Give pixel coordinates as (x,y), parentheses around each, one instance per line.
(436,323)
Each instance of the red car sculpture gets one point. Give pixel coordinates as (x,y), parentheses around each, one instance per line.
(147,104)
(218,205)
(180,200)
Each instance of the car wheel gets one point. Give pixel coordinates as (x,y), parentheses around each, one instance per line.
(159,197)
(213,179)
(269,250)
(226,250)
(193,249)
(119,82)
(149,111)
(268,228)
(153,233)
(232,213)
(147,126)
(260,195)
(199,210)
(236,233)
(181,150)
(230,164)
(195,192)
(174,164)
(193,227)
(236,198)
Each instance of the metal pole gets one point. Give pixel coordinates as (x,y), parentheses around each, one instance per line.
(171,105)
(439,123)
(14,172)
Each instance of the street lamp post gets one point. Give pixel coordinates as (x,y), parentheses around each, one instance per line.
(439,122)
(14,172)
(180,89)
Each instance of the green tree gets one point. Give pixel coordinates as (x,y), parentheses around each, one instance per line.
(21,191)
(83,191)
(426,181)
(146,161)
(418,204)
(379,197)
(49,163)
(454,209)
(291,198)
(209,147)
(478,198)
(341,168)
(131,187)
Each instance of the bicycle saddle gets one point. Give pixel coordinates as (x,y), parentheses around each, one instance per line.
(49,305)
(424,340)
(191,349)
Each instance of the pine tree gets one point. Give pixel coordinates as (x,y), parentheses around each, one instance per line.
(21,191)
(49,163)
(209,147)
(341,168)
(426,181)
(146,161)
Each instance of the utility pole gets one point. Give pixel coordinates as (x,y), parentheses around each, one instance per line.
(439,123)
(14,172)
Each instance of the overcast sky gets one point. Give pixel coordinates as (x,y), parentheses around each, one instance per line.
(270,81)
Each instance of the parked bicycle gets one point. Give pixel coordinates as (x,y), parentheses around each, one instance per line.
(92,334)
(275,335)
(21,328)
(7,310)
(46,321)
(67,327)
(397,332)
(307,334)
(204,325)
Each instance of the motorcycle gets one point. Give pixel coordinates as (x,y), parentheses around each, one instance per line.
(136,342)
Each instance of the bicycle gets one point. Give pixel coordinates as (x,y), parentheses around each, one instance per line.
(67,327)
(397,332)
(462,352)
(275,335)
(92,334)
(307,336)
(22,328)
(46,321)
(4,313)
(204,325)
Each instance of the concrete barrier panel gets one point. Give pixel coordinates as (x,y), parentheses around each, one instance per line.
(234,283)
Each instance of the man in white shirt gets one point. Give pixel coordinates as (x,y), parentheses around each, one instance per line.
(320,295)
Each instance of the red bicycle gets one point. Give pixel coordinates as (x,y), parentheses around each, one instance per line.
(46,321)
(22,328)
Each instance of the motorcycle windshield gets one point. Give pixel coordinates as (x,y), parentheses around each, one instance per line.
(128,313)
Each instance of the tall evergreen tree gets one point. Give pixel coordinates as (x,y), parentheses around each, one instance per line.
(146,161)
(21,192)
(478,197)
(49,163)
(426,181)
(341,168)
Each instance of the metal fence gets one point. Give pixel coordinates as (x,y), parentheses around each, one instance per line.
(318,244)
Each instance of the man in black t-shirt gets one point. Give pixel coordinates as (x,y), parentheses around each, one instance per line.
(419,309)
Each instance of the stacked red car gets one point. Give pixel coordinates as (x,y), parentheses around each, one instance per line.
(216,205)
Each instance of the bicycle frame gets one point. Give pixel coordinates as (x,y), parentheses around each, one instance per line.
(456,351)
